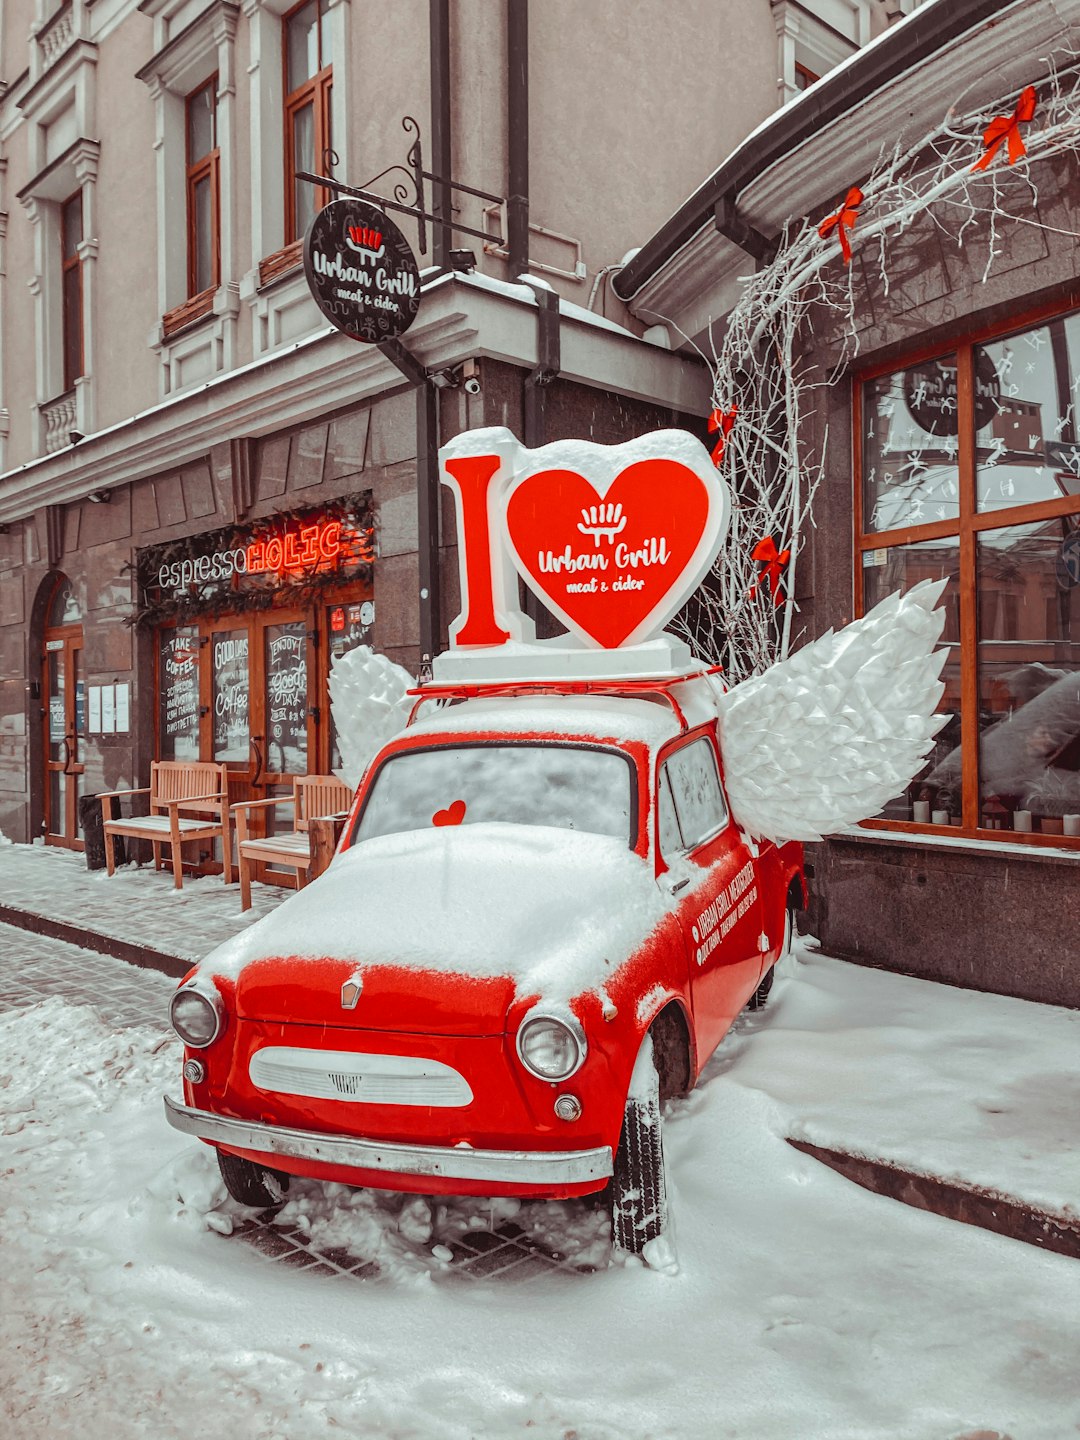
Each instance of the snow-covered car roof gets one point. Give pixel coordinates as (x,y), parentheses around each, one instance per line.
(650,720)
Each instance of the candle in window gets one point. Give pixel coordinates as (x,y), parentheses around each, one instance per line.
(920,812)
(1021,819)
(1071,824)
(941,817)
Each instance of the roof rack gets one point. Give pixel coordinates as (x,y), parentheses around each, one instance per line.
(659,686)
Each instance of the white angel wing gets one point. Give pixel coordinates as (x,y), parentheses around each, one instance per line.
(370,706)
(827,736)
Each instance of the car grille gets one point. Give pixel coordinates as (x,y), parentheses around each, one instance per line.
(365,1079)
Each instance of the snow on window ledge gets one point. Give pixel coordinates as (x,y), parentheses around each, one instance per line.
(955,842)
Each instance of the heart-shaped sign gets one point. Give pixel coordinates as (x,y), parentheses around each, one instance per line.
(615,538)
(453,815)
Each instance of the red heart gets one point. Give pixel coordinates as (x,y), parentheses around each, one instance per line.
(627,574)
(452,816)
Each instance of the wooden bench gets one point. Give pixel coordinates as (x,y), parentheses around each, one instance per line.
(313,797)
(189,801)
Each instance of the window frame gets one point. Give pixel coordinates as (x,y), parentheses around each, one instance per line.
(663,778)
(207,167)
(965,528)
(71,324)
(316,90)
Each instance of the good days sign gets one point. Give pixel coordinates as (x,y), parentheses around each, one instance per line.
(612,538)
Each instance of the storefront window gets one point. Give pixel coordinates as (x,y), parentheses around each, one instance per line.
(347,626)
(286,698)
(1029,676)
(931,797)
(1026,450)
(970,471)
(231,693)
(178,693)
(911,471)
(64,608)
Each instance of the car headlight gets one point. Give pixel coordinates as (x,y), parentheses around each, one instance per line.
(197,1015)
(551,1047)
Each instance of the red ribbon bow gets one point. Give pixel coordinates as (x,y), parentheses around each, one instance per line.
(772,562)
(719,421)
(1007,127)
(843,221)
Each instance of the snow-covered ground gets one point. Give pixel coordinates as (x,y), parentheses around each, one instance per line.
(803,1307)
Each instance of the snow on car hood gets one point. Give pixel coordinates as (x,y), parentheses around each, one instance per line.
(556,910)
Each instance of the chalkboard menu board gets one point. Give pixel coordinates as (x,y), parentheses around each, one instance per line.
(286,698)
(229,654)
(178,693)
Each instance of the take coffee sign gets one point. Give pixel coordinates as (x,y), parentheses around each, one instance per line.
(361,272)
(612,538)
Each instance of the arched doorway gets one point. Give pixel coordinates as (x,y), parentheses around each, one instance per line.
(63,715)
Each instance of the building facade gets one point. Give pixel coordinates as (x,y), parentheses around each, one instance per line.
(945,418)
(205,491)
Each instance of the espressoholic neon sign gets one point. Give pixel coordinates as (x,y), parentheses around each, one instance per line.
(304,548)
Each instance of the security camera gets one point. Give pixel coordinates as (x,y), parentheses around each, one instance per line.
(472,385)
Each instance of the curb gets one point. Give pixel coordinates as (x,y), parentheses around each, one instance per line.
(954,1200)
(175,966)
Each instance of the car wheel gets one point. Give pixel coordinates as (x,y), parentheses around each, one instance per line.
(761,994)
(638,1189)
(251,1184)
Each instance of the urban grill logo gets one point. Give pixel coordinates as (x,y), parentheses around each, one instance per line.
(361,272)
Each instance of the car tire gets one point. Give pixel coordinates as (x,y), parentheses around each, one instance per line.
(251,1184)
(638,1188)
(761,995)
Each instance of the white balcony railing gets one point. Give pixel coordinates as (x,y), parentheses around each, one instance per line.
(58,418)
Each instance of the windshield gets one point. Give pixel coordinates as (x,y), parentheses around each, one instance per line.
(566,786)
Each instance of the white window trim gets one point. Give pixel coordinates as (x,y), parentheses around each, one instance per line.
(817,34)
(282,311)
(73,172)
(186,59)
(5,414)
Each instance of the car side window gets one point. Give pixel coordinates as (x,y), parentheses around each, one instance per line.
(670,834)
(691,778)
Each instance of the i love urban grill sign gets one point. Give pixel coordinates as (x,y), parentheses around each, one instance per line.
(361,272)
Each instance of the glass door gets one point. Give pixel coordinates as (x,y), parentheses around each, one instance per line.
(65,727)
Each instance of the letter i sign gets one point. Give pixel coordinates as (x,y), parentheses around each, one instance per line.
(612,538)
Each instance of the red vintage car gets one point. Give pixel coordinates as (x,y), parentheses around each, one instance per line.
(540,923)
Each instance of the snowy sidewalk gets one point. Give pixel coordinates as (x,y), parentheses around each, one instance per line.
(137,907)
(979,1091)
(804,1305)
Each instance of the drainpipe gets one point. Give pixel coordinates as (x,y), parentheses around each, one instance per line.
(517,133)
(426,386)
(442,161)
(549,363)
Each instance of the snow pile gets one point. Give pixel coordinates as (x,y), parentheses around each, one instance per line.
(804,1306)
(459,899)
(370,705)
(980,1089)
(826,737)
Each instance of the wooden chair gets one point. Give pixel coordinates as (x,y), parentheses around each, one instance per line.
(313,797)
(189,801)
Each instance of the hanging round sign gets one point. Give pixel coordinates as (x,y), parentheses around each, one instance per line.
(361,272)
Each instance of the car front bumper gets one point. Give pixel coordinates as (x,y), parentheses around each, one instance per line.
(540,1168)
